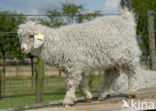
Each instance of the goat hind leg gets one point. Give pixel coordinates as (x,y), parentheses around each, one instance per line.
(132,81)
(110,78)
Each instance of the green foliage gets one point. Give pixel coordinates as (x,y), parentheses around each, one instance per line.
(68,13)
(126,3)
(141,7)
(8,37)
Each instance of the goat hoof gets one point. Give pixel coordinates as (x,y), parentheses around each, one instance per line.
(68,105)
(100,99)
(88,100)
(131,96)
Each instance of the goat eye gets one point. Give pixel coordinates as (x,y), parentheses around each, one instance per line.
(31,36)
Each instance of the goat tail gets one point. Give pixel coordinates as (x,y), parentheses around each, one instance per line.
(128,15)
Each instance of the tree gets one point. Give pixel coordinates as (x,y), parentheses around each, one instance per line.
(8,38)
(126,3)
(68,13)
(8,28)
(140,8)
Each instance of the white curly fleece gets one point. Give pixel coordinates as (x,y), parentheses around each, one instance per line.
(107,43)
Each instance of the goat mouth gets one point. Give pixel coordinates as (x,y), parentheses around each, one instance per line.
(25,51)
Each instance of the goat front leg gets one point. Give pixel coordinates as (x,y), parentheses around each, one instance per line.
(85,90)
(72,81)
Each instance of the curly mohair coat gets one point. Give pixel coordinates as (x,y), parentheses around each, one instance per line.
(107,43)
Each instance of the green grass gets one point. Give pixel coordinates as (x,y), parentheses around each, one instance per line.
(18,86)
(26,100)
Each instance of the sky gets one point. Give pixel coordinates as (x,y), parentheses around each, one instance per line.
(38,6)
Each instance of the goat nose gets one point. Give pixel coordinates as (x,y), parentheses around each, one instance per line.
(22,49)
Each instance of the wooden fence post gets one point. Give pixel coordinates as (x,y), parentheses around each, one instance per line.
(90,81)
(0,84)
(60,72)
(4,72)
(39,80)
(32,72)
(151,41)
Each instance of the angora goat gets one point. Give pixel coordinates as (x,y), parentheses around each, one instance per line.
(107,43)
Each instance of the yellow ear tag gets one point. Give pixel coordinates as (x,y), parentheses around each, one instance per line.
(40,36)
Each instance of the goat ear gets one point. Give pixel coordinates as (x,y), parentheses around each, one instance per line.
(38,40)
(37,22)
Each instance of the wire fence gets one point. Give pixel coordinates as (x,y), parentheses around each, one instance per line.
(18,75)
(53,15)
(18,84)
